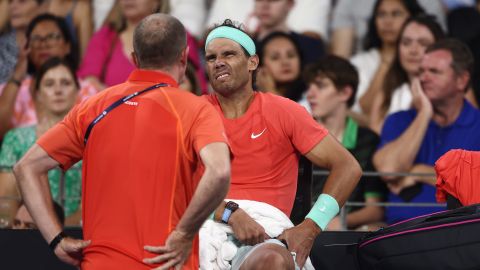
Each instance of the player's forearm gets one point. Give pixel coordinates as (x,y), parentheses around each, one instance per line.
(211,191)
(343,178)
(399,155)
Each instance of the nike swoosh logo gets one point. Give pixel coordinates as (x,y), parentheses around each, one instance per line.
(254,136)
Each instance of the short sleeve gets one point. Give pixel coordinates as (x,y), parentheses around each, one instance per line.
(97,53)
(207,127)
(64,142)
(303,131)
(394,126)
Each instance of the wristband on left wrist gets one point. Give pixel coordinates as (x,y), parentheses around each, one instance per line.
(56,240)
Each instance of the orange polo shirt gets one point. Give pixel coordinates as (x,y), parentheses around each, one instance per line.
(266,142)
(141,166)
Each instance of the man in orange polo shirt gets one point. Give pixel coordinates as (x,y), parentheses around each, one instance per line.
(267,134)
(144,145)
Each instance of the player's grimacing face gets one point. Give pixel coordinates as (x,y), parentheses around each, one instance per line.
(227,65)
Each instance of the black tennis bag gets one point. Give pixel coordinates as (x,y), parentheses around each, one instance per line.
(443,240)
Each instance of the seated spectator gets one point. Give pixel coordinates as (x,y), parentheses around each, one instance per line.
(417,34)
(55,91)
(23,219)
(280,66)
(78,16)
(307,16)
(108,59)
(47,36)
(383,32)
(272,17)
(350,20)
(411,141)
(332,85)
(12,35)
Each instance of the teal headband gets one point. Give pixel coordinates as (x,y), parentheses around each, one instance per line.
(233,34)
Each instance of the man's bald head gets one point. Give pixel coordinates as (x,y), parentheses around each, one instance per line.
(158,41)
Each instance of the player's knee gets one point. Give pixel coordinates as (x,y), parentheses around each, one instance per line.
(271,259)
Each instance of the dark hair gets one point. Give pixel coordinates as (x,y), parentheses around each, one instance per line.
(372,39)
(238,26)
(53,63)
(159,40)
(339,70)
(273,36)
(295,88)
(190,74)
(60,22)
(462,58)
(396,75)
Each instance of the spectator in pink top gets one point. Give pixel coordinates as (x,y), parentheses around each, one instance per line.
(108,58)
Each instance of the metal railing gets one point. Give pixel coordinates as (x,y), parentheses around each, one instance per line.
(343,213)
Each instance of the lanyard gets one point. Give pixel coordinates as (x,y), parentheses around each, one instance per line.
(116,104)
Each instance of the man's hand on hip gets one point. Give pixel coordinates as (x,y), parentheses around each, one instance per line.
(175,252)
(300,239)
(69,250)
(245,229)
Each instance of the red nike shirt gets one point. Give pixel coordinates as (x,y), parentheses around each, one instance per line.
(266,143)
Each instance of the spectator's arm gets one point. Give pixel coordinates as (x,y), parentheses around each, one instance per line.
(83,24)
(9,195)
(343,29)
(366,215)
(3,13)
(10,91)
(399,154)
(7,106)
(424,169)
(342,42)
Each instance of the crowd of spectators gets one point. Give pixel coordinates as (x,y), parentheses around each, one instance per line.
(383,94)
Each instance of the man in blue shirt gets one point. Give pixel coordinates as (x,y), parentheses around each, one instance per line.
(411,141)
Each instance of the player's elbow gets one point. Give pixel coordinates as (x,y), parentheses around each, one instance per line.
(355,169)
(20,168)
(221,175)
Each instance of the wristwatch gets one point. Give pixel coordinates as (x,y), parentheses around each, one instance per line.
(230,207)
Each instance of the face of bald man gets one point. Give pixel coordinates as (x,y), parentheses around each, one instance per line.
(229,69)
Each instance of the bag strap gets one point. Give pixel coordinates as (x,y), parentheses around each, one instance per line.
(115,105)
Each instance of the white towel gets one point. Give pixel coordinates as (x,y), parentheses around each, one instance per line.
(216,251)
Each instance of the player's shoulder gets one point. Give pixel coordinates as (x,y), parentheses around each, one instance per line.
(278,104)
